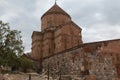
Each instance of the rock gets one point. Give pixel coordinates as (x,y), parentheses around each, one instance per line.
(91,77)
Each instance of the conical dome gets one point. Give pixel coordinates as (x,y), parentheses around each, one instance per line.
(54,17)
(55,9)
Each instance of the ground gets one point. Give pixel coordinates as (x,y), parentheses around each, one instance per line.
(22,76)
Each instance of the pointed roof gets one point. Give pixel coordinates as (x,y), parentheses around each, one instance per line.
(55,9)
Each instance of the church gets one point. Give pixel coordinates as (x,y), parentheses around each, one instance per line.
(59,46)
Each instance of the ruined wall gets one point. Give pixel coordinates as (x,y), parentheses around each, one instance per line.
(90,63)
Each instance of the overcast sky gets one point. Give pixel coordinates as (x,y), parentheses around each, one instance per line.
(99,19)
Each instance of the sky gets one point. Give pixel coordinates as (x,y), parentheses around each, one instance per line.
(99,19)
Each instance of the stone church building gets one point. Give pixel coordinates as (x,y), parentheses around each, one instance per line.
(59,48)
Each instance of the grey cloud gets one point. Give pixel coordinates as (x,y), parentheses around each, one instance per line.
(99,19)
(20,16)
(85,12)
(101,32)
(112,11)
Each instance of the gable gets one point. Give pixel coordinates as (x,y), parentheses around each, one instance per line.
(71,29)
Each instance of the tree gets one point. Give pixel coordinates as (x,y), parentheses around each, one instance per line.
(10,45)
(25,63)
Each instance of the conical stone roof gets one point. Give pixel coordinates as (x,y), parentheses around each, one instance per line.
(55,9)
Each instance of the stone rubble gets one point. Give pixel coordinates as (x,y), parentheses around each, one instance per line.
(23,77)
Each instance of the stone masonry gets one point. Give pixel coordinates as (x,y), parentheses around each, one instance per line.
(58,33)
(58,49)
(84,63)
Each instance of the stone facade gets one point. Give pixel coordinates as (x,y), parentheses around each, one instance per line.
(85,62)
(59,49)
(58,33)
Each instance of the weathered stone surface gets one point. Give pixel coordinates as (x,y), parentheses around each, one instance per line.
(59,49)
(23,77)
(91,77)
(79,62)
(58,33)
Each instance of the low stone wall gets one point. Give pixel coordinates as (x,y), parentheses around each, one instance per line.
(23,77)
(84,64)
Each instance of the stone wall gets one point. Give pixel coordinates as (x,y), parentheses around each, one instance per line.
(86,62)
(58,33)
